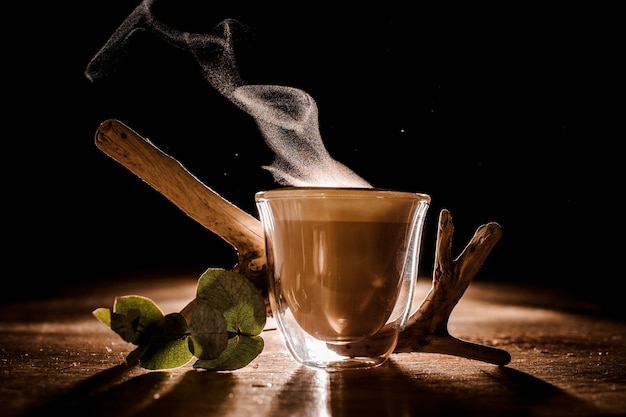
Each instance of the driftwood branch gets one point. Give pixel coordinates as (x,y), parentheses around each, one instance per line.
(427,329)
(167,176)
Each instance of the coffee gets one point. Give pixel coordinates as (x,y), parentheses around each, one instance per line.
(339,278)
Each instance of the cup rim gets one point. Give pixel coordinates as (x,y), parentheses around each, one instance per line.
(342,192)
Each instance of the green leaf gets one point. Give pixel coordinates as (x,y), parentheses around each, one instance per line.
(208,332)
(136,313)
(103,314)
(241,350)
(166,346)
(134,357)
(236,297)
(126,326)
(150,312)
(243,308)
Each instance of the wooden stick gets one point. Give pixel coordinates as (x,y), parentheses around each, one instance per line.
(166,175)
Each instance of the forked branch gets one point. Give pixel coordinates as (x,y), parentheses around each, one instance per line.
(427,329)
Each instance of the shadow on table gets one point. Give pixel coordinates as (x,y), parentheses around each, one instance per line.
(393,392)
(118,392)
(385,391)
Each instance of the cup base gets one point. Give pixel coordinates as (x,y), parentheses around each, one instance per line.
(366,354)
(350,363)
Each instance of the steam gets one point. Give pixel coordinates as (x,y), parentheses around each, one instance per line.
(287,117)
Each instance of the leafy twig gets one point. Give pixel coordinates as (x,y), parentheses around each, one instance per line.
(222,332)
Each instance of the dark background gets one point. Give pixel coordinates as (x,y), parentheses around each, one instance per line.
(502,115)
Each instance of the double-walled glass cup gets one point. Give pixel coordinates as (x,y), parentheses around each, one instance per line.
(342,269)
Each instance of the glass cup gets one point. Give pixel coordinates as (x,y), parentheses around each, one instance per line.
(342,268)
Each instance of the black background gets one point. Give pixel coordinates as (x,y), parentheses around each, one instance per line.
(505,115)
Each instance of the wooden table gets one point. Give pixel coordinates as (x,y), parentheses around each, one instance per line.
(568,359)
